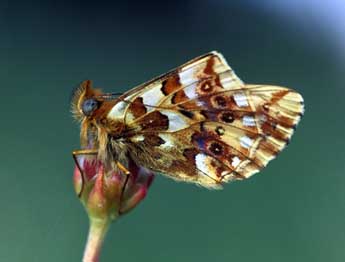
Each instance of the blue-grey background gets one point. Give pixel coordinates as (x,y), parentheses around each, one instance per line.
(292,211)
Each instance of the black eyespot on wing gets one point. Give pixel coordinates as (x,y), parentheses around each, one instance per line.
(227,117)
(216,148)
(220,101)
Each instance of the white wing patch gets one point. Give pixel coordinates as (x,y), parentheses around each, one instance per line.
(248,121)
(118,110)
(235,161)
(246,142)
(152,97)
(176,121)
(240,99)
(168,142)
(200,161)
(190,91)
(188,76)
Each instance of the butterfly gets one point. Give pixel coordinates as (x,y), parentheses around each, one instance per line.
(198,123)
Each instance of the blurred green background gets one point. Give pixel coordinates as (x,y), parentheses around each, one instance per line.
(292,211)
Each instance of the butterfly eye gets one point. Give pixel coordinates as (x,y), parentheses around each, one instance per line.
(89,105)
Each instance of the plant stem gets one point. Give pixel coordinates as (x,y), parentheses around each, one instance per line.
(97,231)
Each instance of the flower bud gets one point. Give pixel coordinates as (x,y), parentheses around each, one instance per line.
(107,193)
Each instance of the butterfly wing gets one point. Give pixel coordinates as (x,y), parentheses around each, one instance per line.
(200,123)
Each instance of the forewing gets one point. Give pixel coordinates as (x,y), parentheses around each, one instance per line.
(200,123)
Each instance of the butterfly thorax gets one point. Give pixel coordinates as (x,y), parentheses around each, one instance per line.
(111,140)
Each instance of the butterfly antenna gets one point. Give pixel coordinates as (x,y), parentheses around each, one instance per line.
(110,96)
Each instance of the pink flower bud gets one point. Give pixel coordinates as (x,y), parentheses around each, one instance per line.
(107,193)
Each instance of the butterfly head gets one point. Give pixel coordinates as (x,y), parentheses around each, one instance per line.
(84,102)
(84,106)
(89,106)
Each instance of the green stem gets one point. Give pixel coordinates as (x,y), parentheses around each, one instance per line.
(97,231)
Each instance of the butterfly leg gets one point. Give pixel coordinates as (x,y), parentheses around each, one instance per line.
(82,152)
(127,173)
(123,168)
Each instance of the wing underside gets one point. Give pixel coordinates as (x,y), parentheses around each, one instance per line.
(200,123)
